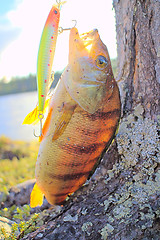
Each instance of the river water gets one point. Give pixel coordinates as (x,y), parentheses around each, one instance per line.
(13,109)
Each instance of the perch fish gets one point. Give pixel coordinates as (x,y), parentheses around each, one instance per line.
(83,117)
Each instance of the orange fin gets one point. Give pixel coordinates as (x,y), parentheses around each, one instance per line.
(46,125)
(36,198)
(63,121)
(32,117)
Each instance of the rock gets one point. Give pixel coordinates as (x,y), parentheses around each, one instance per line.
(6,225)
(20,194)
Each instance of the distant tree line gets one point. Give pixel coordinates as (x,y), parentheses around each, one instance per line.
(28,83)
(23,84)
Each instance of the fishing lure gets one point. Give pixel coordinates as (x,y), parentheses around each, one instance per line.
(46,54)
(83,117)
(44,63)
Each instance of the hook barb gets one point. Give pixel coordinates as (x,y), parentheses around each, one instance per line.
(40,116)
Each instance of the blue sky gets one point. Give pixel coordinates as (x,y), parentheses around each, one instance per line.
(21,25)
(6,6)
(7,32)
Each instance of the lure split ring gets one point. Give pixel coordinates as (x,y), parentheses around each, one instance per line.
(60,30)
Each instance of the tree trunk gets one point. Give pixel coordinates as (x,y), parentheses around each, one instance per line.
(122,199)
(138,41)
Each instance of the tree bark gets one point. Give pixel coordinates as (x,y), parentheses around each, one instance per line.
(138,46)
(122,199)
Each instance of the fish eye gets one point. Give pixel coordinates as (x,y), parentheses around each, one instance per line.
(101,61)
(55,11)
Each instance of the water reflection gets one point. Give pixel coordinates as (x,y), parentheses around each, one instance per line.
(13,109)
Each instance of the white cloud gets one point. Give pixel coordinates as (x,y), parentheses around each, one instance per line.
(20,57)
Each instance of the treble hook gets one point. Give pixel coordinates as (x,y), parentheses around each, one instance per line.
(60,3)
(40,116)
(60,30)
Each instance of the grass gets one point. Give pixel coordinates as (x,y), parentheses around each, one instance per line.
(17,164)
(17,161)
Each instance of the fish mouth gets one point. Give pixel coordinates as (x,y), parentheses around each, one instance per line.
(81,45)
(88,38)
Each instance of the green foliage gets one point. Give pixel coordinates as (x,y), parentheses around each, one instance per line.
(22,213)
(16,213)
(16,171)
(17,166)
(19,230)
(18,84)
(8,212)
(9,236)
(10,149)
(28,226)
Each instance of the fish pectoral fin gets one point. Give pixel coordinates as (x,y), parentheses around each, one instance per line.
(32,117)
(63,121)
(36,198)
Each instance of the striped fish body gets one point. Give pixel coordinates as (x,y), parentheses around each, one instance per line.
(77,132)
(46,55)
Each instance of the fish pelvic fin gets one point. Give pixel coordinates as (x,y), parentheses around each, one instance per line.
(32,117)
(46,125)
(63,121)
(36,198)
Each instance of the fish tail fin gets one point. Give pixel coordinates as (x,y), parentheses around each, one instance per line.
(36,198)
(32,117)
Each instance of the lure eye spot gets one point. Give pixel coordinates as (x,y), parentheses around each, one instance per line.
(101,61)
(55,11)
